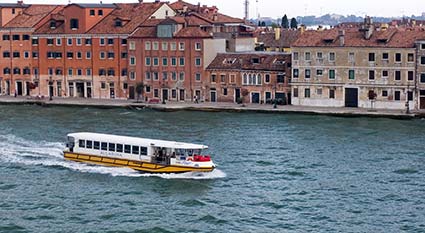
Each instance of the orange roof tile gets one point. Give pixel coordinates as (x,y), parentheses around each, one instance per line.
(244,61)
(31,16)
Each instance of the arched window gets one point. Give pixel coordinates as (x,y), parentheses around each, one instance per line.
(6,70)
(250,79)
(26,70)
(259,79)
(245,79)
(16,70)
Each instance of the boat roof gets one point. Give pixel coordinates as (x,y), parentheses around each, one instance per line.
(136,141)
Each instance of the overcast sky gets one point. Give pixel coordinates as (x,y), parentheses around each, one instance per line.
(276,8)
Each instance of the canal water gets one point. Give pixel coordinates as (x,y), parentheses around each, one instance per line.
(276,173)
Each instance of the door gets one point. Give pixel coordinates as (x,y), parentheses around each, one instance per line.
(351,97)
(7,87)
(213,95)
(198,94)
(255,98)
(80,89)
(19,88)
(164,94)
(132,91)
(237,94)
(112,93)
(280,98)
(268,97)
(27,88)
(422,99)
(181,94)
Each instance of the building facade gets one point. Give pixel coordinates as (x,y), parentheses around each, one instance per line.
(357,67)
(255,77)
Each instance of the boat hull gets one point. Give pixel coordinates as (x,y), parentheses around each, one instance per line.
(136,165)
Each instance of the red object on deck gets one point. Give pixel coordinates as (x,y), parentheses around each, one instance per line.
(201,158)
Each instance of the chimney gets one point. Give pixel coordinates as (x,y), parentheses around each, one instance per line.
(20,2)
(302,28)
(215,17)
(277,33)
(341,36)
(368,27)
(185,8)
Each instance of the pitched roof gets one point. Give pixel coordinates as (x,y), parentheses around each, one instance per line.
(287,38)
(31,16)
(13,5)
(136,12)
(94,5)
(192,32)
(391,38)
(244,61)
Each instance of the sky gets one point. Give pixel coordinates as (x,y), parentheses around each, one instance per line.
(293,8)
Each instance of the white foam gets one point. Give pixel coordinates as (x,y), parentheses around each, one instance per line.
(18,150)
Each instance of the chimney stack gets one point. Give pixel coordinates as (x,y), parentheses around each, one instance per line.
(341,36)
(277,33)
(368,27)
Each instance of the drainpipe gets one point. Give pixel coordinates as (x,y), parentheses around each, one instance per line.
(11,62)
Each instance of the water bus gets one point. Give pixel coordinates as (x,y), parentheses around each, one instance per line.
(141,154)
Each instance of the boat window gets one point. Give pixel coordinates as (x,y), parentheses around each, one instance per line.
(135,150)
(96,145)
(127,149)
(180,152)
(89,144)
(104,146)
(81,143)
(111,146)
(197,152)
(119,148)
(143,150)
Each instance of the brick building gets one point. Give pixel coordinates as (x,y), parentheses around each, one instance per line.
(254,77)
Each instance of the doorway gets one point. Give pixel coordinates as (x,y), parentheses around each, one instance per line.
(19,88)
(132,93)
(80,89)
(351,97)
(7,87)
(237,94)
(27,88)
(213,95)
(182,94)
(165,94)
(422,99)
(255,97)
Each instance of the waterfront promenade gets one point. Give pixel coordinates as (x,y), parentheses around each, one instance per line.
(212,107)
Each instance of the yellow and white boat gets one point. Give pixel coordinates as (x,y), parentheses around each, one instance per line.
(146,155)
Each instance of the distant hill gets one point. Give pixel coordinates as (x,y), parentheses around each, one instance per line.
(333,19)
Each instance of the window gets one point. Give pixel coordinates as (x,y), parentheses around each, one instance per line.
(280,78)
(16,37)
(34,41)
(165,61)
(124,55)
(410,95)
(295,92)
(423,60)
(92,12)
(331,74)
(410,75)
(181,61)
(69,41)
(155,45)
(118,23)
(295,56)
(164,46)
(69,55)
(385,56)
(112,147)
(331,94)
(198,77)
(88,55)
(423,46)
(307,73)
(397,75)
(88,72)
(181,76)
(198,46)
(174,76)
(52,24)
(123,41)
(148,45)
(111,55)
(16,55)
(127,149)
(173,46)
(110,41)
(267,78)
(423,78)
(132,60)
(79,72)
(96,145)
(102,72)
(6,54)
(26,54)
(319,72)
(6,71)
(155,61)
(89,144)
(224,91)
(74,24)
(384,93)
(79,55)
(111,72)
(49,41)
(319,55)
(59,71)
(136,150)
(385,74)
(181,46)
(16,70)
(164,76)
(307,56)
(155,76)
(223,78)
(371,57)
(88,41)
(147,75)
(58,41)
(100,12)
(35,55)
(132,45)
(132,75)
(70,72)
(214,78)
(25,37)
(197,61)
(331,56)
(124,72)
(397,95)
(173,61)
(397,57)
(104,146)
(319,91)
(155,93)
(102,41)
(147,61)
(6,37)
(103,85)
(371,75)
(351,57)
(81,143)
(410,57)
(78,41)
(148,89)
(307,93)
(26,70)
(50,71)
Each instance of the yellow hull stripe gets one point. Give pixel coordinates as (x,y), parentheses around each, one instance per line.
(136,165)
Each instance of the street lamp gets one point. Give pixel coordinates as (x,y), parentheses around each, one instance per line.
(50,88)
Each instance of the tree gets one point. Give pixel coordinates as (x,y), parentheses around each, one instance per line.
(139,90)
(294,23)
(285,22)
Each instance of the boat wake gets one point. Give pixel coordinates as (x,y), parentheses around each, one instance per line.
(21,151)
